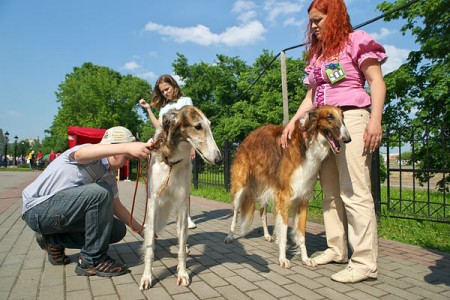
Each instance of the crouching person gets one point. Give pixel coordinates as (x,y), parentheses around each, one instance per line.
(75,203)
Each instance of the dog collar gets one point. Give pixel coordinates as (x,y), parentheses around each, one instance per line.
(170,163)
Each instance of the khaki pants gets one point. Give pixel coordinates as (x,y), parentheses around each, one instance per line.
(348,204)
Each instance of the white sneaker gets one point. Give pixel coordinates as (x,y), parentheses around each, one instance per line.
(191,224)
(323,259)
(348,275)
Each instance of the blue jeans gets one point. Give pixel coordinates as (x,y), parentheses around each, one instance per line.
(81,218)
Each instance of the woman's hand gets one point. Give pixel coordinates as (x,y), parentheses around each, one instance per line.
(286,135)
(373,132)
(372,135)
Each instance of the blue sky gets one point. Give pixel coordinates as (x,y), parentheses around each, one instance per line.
(42,41)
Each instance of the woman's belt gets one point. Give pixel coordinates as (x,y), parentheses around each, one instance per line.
(351,107)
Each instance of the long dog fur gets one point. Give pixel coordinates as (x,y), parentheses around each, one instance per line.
(170,181)
(263,171)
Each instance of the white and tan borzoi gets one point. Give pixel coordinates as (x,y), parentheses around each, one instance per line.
(170,181)
(263,171)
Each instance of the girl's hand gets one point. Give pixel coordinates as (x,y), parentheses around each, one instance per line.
(192,154)
(144,104)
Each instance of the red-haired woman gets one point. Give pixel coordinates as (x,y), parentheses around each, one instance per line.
(340,60)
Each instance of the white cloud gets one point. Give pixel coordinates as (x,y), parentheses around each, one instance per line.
(13,113)
(131,66)
(384,32)
(396,58)
(294,22)
(277,9)
(178,79)
(243,5)
(245,10)
(146,75)
(247,16)
(237,35)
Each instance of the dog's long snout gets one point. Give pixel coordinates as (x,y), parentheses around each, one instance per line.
(346,138)
(218,158)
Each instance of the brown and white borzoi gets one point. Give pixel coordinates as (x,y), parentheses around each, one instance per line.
(263,171)
(170,181)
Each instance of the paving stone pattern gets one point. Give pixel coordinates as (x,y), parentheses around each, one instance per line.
(246,269)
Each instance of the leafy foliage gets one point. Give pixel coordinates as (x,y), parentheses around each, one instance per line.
(418,92)
(97,97)
(228,93)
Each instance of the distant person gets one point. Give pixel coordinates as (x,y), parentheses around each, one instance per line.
(73,202)
(40,160)
(51,156)
(30,159)
(165,96)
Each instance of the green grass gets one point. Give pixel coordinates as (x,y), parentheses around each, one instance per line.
(428,234)
(16,169)
(212,193)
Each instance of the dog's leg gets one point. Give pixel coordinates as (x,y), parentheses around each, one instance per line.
(148,247)
(300,237)
(236,204)
(230,236)
(282,216)
(263,214)
(183,277)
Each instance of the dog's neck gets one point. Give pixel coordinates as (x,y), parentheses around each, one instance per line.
(170,163)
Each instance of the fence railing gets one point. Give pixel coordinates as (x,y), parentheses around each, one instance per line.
(410,189)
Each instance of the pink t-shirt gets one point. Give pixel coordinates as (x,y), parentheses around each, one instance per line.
(350,90)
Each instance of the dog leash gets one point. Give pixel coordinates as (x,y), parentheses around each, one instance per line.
(139,171)
(154,146)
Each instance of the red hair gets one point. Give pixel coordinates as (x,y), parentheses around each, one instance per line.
(336,29)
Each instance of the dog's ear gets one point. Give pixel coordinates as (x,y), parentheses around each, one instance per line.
(311,120)
(169,119)
(170,124)
(312,114)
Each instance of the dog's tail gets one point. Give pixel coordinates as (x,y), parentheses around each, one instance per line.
(247,209)
(243,200)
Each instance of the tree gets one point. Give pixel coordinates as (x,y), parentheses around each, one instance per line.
(228,92)
(97,97)
(418,92)
(212,87)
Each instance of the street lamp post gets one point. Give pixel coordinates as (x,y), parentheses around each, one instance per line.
(6,149)
(15,150)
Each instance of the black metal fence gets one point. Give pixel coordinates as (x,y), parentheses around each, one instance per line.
(406,188)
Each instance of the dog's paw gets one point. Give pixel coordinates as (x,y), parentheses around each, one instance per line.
(183,278)
(229,239)
(269,238)
(309,262)
(285,263)
(146,282)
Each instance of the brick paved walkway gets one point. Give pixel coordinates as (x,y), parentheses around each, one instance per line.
(245,269)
